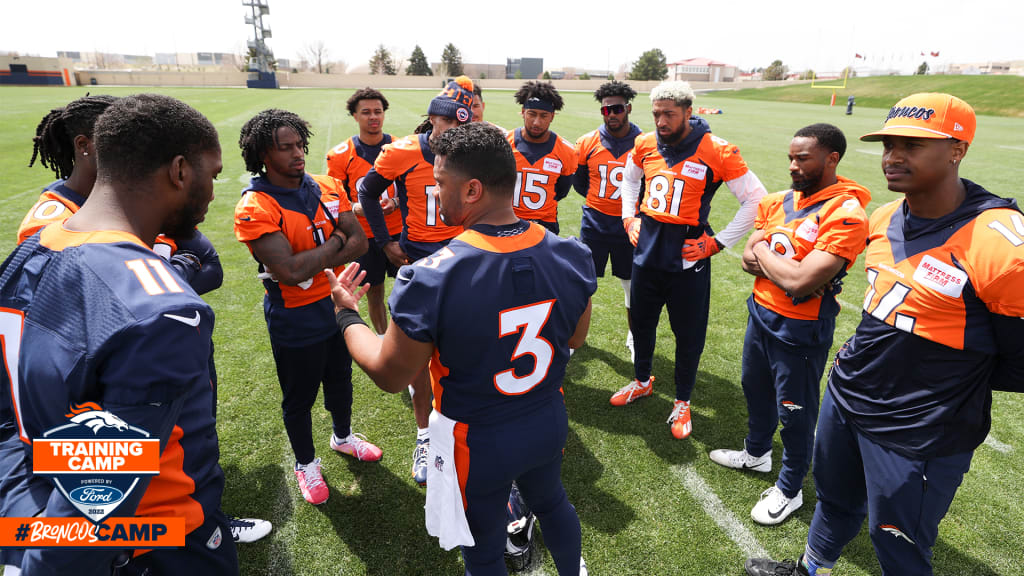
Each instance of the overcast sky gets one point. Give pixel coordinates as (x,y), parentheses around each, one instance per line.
(822,35)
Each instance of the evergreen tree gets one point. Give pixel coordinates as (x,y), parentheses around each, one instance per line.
(381,63)
(451,58)
(418,63)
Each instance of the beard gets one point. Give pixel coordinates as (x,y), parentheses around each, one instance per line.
(807,182)
(183,223)
(674,137)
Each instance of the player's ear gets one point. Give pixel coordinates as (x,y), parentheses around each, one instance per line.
(474,191)
(959,151)
(178,170)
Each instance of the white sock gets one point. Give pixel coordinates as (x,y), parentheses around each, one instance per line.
(625,288)
(423,433)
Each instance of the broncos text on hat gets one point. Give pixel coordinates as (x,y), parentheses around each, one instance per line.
(928,115)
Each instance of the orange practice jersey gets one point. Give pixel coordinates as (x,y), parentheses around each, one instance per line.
(605,171)
(409,162)
(56,204)
(536,175)
(259,213)
(832,220)
(349,162)
(680,187)
(941,292)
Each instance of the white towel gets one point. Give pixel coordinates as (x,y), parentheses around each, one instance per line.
(445,515)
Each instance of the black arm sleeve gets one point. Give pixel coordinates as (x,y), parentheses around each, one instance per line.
(1008,375)
(563,185)
(210,274)
(370,191)
(581,180)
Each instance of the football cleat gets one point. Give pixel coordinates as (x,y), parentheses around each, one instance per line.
(419,461)
(358,446)
(521,521)
(246,530)
(583,567)
(774,507)
(311,482)
(742,460)
(633,391)
(680,419)
(769,567)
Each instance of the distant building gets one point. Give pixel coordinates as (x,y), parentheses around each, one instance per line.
(527,68)
(702,70)
(987,68)
(474,71)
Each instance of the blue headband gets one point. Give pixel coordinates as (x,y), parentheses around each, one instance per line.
(538,104)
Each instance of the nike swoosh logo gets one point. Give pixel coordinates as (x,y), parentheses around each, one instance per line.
(748,466)
(775,515)
(193,322)
(404,277)
(849,222)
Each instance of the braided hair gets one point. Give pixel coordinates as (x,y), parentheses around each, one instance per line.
(260,133)
(54,142)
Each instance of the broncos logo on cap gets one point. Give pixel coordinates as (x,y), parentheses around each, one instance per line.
(94,417)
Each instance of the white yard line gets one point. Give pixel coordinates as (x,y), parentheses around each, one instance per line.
(713,507)
(1018,148)
(997,445)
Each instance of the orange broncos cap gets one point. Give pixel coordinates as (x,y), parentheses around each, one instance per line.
(928,115)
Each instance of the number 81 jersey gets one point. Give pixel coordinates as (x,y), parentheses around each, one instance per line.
(500,311)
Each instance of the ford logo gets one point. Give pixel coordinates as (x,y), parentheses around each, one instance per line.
(96,495)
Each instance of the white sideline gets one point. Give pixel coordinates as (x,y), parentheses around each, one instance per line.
(871,152)
(722,516)
(1018,148)
(997,445)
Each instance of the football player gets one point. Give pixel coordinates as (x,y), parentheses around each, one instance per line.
(805,239)
(409,163)
(64,143)
(349,162)
(545,163)
(108,323)
(682,165)
(295,225)
(501,304)
(909,395)
(602,156)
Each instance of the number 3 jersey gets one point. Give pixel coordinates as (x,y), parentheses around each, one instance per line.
(500,310)
(942,312)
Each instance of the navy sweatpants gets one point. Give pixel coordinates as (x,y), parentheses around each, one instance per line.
(903,498)
(300,370)
(687,295)
(780,383)
(528,450)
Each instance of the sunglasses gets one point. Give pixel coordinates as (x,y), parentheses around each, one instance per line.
(613,109)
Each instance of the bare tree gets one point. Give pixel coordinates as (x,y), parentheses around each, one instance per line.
(317,54)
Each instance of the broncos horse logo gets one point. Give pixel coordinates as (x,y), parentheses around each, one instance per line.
(93,416)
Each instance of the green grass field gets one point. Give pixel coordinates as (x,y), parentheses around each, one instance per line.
(996,95)
(648,504)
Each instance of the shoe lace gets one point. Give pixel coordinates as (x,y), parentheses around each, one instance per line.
(359,443)
(311,474)
(785,568)
(420,455)
(677,412)
(633,387)
(239,524)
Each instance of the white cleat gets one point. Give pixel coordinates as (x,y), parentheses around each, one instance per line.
(774,507)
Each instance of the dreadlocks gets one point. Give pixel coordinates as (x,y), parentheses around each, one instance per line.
(260,133)
(54,142)
(540,90)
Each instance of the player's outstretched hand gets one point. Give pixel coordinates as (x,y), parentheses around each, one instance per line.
(347,289)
